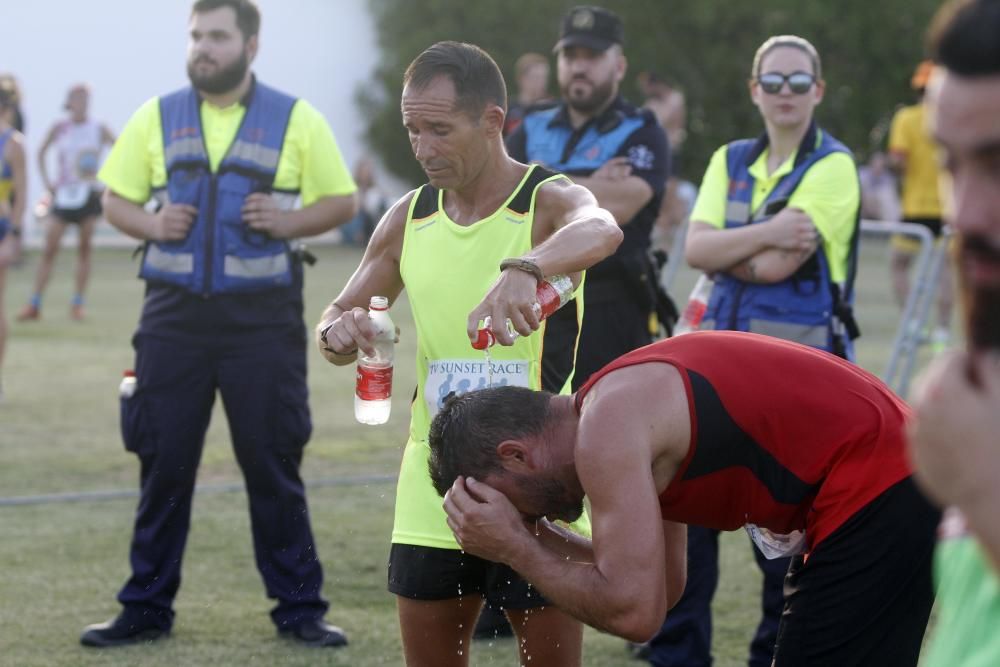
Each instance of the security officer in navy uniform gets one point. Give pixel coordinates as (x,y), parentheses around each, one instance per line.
(227,158)
(618,152)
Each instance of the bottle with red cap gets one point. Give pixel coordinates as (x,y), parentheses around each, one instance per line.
(551,295)
(373,389)
(694,311)
(127,386)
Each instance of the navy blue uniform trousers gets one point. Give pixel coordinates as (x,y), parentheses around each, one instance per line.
(685,640)
(264,393)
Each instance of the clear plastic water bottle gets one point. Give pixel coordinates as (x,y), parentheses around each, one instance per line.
(551,295)
(373,390)
(128,384)
(694,311)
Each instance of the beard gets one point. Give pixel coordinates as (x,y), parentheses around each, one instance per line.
(221,81)
(552,497)
(600,95)
(981,303)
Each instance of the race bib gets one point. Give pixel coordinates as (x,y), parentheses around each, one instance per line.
(462,375)
(775,545)
(72,195)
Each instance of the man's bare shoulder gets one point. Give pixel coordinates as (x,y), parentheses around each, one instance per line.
(395,216)
(650,381)
(388,234)
(646,402)
(555,200)
(562,194)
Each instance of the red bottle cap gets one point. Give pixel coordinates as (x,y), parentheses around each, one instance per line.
(484,339)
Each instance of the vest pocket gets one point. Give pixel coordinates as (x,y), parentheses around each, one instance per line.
(250,259)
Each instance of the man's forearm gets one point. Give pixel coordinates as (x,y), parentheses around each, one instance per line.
(584,592)
(578,245)
(128,217)
(769,266)
(713,250)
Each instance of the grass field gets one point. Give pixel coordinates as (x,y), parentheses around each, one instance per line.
(64,561)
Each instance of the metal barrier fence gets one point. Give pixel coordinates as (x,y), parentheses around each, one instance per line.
(925,282)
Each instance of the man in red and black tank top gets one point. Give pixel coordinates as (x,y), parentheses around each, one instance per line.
(716,429)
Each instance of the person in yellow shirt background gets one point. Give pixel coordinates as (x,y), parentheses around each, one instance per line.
(913,156)
(227,159)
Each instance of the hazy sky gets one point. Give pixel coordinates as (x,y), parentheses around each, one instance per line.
(131,50)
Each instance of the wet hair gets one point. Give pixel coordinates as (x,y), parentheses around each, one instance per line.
(793,41)
(247,13)
(464,435)
(477,79)
(965,37)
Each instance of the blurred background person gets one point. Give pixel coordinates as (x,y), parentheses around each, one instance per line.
(669,106)
(879,189)
(74,197)
(9,82)
(13,194)
(913,155)
(953,437)
(372,204)
(531,73)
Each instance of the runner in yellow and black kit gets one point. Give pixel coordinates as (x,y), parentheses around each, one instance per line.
(13,179)
(444,243)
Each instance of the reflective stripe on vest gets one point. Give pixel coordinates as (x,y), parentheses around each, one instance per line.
(800,308)
(221,253)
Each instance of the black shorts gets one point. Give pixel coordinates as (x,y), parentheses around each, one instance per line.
(427,573)
(91,208)
(933,224)
(863,596)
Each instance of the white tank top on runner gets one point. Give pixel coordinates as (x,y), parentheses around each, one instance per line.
(78,146)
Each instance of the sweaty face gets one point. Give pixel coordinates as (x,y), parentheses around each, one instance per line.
(218,55)
(589,79)
(449,145)
(963,118)
(786,109)
(541,495)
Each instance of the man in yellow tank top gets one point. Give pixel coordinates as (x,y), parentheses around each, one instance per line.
(444,243)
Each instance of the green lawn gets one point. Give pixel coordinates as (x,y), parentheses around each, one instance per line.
(63,562)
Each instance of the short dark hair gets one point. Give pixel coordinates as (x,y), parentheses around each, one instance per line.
(965,37)
(464,435)
(247,13)
(477,78)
